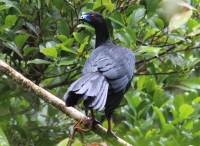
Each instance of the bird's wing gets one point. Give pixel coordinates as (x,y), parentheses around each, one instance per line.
(116,63)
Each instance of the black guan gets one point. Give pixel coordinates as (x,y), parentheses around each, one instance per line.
(106,75)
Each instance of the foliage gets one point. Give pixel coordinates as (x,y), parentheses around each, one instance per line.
(44,41)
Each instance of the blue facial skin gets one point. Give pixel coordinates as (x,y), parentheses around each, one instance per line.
(86,17)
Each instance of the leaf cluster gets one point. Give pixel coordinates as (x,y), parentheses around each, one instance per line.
(44,41)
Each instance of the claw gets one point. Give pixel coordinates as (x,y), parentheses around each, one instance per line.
(83,125)
(80,126)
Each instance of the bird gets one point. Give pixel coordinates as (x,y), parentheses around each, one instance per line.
(106,74)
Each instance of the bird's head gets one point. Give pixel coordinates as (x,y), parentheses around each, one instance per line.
(93,18)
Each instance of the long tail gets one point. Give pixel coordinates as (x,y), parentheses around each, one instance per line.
(92,88)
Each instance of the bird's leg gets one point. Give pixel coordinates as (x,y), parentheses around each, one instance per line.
(109,124)
(110,127)
(109,131)
(94,121)
(86,112)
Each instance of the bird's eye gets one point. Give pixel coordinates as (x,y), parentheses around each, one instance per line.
(92,16)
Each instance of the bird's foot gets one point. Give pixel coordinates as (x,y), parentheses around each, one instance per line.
(82,125)
(111,134)
(94,121)
(86,124)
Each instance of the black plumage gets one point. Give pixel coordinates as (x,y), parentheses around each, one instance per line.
(106,74)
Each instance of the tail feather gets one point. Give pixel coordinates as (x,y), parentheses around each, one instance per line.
(84,88)
(93,100)
(80,82)
(96,85)
(99,101)
(100,106)
(92,88)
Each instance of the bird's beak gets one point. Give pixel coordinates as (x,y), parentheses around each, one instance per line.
(83,17)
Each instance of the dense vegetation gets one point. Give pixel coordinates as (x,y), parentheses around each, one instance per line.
(44,41)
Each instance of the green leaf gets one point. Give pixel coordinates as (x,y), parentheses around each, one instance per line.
(153,51)
(129,97)
(67,49)
(82,46)
(174,111)
(152,5)
(12,46)
(191,24)
(130,34)
(50,52)
(68,42)
(3,138)
(196,125)
(196,31)
(160,23)
(123,38)
(20,40)
(117,18)
(27,50)
(179,19)
(63,28)
(11,34)
(10,4)
(32,27)
(151,84)
(193,62)
(185,110)
(63,142)
(66,61)
(193,83)
(167,129)
(3,7)
(157,97)
(62,38)
(140,82)
(161,117)
(50,44)
(109,6)
(196,101)
(97,4)
(38,4)
(10,20)
(89,27)
(46,22)
(78,37)
(38,61)
(149,33)
(136,16)
(150,133)
(143,107)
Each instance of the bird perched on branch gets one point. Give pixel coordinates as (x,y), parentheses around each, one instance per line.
(106,75)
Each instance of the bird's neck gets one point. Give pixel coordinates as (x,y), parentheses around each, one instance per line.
(102,35)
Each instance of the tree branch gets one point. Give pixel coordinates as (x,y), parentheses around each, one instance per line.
(56,102)
(161,54)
